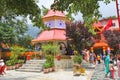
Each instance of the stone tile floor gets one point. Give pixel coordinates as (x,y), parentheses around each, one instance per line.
(99,73)
(57,75)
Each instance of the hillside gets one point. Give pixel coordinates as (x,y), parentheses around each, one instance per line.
(33,31)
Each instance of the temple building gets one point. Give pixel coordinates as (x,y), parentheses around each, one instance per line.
(56,21)
(101,42)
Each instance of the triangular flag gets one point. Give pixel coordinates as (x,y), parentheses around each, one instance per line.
(109,24)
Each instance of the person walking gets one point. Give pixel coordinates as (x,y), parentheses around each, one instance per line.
(95,58)
(112,70)
(107,61)
(118,66)
(98,58)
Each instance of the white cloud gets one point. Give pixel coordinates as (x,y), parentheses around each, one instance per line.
(108,10)
(46,3)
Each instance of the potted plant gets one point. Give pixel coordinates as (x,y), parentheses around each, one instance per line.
(50,59)
(46,66)
(16,51)
(77,59)
(50,50)
(77,64)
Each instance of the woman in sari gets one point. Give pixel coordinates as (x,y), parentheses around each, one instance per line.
(107,62)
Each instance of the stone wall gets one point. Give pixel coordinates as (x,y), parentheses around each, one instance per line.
(63,63)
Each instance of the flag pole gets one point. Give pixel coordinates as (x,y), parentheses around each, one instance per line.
(118,14)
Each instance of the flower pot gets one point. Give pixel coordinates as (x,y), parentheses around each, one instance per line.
(53,68)
(50,69)
(76,69)
(46,70)
(8,68)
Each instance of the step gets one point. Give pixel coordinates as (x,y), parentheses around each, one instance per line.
(29,70)
(31,65)
(35,61)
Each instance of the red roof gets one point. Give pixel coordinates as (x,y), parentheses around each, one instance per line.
(54,13)
(100,44)
(50,35)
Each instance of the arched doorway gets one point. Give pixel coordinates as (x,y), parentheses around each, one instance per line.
(63,48)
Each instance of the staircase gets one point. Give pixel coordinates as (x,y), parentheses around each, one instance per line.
(32,66)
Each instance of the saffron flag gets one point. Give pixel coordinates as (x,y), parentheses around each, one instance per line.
(109,24)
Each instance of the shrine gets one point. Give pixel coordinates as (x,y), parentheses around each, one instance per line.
(55,20)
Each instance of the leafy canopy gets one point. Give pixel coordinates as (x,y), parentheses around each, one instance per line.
(21,8)
(88,8)
(80,36)
(113,38)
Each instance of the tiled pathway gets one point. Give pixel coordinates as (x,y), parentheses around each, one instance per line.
(58,75)
(99,73)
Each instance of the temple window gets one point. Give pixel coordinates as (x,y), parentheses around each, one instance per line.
(60,23)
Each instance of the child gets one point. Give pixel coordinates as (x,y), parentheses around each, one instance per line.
(98,58)
(111,68)
(2,67)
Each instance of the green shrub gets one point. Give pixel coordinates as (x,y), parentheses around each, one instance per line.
(8,63)
(16,51)
(50,60)
(77,59)
(20,61)
(50,49)
(46,65)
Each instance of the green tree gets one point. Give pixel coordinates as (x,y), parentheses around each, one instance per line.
(88,8)
(11,30)
(20,8)
(14,25)
(113,39)
(79,36)
(25,41)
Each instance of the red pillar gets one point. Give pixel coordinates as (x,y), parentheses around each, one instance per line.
(118,13)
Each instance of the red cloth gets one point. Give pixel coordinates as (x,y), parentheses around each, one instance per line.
(109,24)
(58,57)
(112,74)
(2,69)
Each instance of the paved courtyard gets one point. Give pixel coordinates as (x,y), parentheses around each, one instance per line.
(91,74)
(58,75)
(99,73)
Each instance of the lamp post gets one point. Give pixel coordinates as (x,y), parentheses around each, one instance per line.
(118,13)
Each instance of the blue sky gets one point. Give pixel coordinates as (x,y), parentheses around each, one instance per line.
(105,10)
